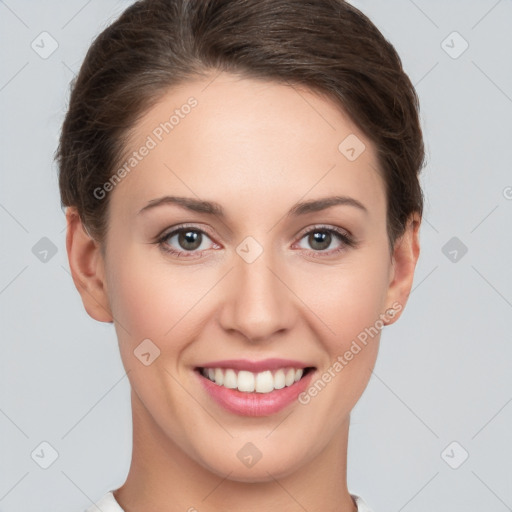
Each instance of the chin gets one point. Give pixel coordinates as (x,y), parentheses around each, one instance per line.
(266,469)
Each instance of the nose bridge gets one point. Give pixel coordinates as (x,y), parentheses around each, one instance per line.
(259,302)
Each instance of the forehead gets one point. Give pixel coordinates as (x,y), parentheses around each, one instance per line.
(237,140)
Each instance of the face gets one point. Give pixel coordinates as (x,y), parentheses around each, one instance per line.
(252,265)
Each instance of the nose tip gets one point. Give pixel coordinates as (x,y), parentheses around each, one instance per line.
(257,302)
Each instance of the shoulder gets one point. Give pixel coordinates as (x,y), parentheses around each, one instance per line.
(361,504)
(106,504)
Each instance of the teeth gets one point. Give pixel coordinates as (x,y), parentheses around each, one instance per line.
(218,377)
(230,379)
(279,379)
(290,377)
(245,381)
(248,382)
(264,382)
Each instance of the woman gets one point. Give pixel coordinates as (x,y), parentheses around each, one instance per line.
(243,204)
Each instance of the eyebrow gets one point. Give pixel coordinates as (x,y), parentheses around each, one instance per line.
(213,208)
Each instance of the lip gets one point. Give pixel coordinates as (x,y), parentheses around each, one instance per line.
(255,366)
(255,404)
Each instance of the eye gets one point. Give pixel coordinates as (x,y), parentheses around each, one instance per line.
(192,242)
(185,241)
(320,239)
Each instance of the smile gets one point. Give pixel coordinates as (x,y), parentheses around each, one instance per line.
(250,382)
(254,388)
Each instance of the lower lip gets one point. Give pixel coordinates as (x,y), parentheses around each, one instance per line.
(255,404)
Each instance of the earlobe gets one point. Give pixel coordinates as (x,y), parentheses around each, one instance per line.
(405,256)
(87,268)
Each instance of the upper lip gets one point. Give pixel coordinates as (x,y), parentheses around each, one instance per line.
(255,366)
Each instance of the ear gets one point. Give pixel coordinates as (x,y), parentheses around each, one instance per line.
(87,268)
(405,256)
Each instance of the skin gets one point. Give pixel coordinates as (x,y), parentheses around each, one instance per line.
(257,148)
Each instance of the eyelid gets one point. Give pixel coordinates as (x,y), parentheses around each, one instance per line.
(181,227)
(325,227)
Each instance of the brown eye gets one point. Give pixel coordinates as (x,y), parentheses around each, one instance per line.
(320,238)
(185,241)
(189,240)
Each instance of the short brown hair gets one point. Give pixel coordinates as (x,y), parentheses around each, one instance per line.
(327,46)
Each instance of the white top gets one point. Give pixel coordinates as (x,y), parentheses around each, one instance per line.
(109,504)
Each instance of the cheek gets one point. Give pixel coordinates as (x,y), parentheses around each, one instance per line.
(145,298)
(351,308)
(156,300)
(350,298)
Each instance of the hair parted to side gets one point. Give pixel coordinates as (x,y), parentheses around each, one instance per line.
(326,46)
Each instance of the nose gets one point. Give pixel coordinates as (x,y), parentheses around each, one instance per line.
(258,304)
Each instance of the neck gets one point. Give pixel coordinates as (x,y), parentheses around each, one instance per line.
(163,477)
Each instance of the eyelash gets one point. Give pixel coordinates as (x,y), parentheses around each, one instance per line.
(346,241)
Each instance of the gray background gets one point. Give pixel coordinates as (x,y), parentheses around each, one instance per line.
(444,370)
